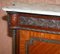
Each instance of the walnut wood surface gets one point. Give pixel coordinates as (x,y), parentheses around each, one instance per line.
(15,21)
(37,46)
(40,28)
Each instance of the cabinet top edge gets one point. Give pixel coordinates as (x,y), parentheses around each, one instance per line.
(35,9)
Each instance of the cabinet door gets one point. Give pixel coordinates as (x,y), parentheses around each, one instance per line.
(31,42)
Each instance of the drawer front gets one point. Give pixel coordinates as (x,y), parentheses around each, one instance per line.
(31,42)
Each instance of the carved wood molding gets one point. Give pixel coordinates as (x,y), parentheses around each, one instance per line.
(44,23)
(40,22)
(49,24)
(30,42)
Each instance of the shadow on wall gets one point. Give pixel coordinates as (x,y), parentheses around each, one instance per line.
(6,18)
(5,39)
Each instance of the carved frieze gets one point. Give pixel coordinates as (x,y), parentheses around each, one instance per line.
(40,22)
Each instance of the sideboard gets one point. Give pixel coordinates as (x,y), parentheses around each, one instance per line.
(35,29)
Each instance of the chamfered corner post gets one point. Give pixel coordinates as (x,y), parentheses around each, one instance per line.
(12,24)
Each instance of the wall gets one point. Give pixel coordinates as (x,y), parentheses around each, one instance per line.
(5,40)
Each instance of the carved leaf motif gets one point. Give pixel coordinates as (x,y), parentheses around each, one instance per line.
(40,22)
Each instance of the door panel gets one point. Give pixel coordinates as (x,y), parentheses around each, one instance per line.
(43,48)
(25,45)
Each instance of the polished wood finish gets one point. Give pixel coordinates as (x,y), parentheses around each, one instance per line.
(14,21)
(23,36)
(40,28)
(40,16)
(37,46)
(43,48)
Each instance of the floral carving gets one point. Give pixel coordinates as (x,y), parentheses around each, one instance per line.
(40,22)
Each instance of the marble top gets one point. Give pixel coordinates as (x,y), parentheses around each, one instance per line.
(35,9)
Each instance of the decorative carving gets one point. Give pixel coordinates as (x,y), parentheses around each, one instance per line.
(12,32)
(40,22)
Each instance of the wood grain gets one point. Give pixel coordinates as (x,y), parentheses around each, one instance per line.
(38,47)
(43,48)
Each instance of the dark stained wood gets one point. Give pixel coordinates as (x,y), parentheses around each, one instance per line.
(14,19)
(41,28)
(17,41)
(39,16)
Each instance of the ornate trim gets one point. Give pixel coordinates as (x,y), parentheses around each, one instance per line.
(11,32)
(30,21)
(50,32)
(50,23)
(39,39)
